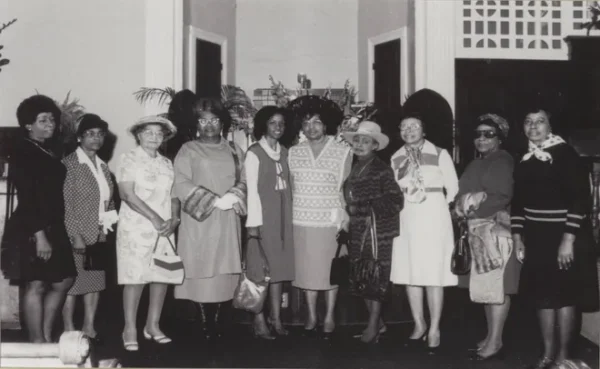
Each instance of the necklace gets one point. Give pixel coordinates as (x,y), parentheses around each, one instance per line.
(40,147)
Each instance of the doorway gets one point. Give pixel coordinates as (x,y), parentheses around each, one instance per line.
(386,69)
(208,69)
(508,88)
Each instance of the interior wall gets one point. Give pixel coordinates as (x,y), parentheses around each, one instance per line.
(316,37)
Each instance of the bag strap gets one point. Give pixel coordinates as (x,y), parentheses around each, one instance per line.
(371,228)
(339,249)
(236,160)
(266,268)
(170,243)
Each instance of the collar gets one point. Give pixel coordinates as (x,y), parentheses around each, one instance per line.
(84,159)
(273,154)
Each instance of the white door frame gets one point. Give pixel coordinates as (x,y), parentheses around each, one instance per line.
(402,34)
(192,35)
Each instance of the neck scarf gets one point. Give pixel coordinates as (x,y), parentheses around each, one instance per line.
(538,151)
(411,177)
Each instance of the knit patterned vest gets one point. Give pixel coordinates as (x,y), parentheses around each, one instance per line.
(317,183)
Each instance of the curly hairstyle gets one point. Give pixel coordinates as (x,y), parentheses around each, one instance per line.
(306,107)
(214,106)
(263,116)
(32,106)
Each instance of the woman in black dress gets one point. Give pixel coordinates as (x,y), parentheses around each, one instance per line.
(552,235)
(35,250)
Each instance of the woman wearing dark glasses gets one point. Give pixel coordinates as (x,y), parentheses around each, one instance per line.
(485,193)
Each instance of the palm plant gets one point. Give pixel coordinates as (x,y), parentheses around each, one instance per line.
(147,94)
(5,26)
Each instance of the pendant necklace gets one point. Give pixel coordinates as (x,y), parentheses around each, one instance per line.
(358,175)
(40,147)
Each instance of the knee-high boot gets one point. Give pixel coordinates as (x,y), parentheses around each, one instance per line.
(223,318)
(207,318)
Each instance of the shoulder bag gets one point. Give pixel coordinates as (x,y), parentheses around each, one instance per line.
(250,295)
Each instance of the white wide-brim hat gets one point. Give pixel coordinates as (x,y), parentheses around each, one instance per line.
(371,129)
(155,119)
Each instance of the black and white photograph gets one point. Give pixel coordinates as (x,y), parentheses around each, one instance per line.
(372,184)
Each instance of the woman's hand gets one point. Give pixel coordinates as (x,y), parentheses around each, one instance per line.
(43,247)
(566,254)
(253,232)
(239,209)
(170,227)
(519,248)
(159,224)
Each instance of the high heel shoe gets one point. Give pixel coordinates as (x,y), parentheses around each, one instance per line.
(432,350)
(161,339)
(263,335)
(281,331)
(414,342)
(382,331)
(130,345)
(498,355)
(542,363)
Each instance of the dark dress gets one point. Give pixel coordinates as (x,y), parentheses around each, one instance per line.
(276,231)
(552,198)
(38,178)
(374,188)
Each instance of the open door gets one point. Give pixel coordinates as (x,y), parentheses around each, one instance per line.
(208,69)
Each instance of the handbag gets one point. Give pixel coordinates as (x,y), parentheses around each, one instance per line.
(166,268)
(250,295)
(367,277)
(340,265)
(96,256)
(461,255)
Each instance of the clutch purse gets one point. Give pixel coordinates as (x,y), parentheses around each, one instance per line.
(250,295)
(340,265)
(461,256)
(166,267)
(96,256)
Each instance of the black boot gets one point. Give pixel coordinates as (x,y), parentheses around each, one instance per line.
(207,319)
(223,318)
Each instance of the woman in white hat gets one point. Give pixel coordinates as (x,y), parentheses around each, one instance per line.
(371,189)
(148,213)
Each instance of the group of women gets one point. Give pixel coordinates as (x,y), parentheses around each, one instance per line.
(297,204)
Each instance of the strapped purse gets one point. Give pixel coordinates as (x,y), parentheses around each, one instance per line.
(96,255)
(250,295)
(340,265)
(165,268)
(461,256)
(367,278)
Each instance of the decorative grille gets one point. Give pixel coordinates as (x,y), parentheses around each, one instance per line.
(518,29)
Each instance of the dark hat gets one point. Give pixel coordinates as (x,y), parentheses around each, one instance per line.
(90,121)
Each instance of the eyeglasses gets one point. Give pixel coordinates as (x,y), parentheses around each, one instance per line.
(485,134)
(150,133)
(410,128)
(213,121)
(100,134)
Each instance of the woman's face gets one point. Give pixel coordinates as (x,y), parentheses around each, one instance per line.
(209,125)
(411,130)
(313,128)
(151,137)
(537,127)
(43,127)
(275,127)
(92,139)
(363,145)
(486,139)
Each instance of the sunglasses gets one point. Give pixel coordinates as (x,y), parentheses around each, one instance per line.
(485,134)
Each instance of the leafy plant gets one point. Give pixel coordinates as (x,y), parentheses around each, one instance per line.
(240,107)
(595,20)
(4,62)
(146,94)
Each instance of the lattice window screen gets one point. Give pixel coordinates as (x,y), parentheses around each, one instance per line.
(518,29)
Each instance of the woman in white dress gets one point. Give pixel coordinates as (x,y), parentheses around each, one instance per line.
(422,253)
(148,214)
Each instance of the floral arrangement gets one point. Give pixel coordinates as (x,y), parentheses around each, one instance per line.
(280,93)
(240,107)
(3,62)
(594,22)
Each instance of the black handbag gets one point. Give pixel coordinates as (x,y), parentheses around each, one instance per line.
(367,277)
(461,256)
(96,256)
(340,265)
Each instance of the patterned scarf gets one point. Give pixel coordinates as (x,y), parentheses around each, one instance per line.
(413,185)
(538,151)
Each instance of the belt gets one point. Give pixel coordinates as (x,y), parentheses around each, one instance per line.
(434,189)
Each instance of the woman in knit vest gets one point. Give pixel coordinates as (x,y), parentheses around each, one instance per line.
(318,166)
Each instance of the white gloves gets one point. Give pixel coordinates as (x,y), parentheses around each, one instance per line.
(107,219)
(226,201)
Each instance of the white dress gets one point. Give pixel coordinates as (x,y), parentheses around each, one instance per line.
(421,255)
